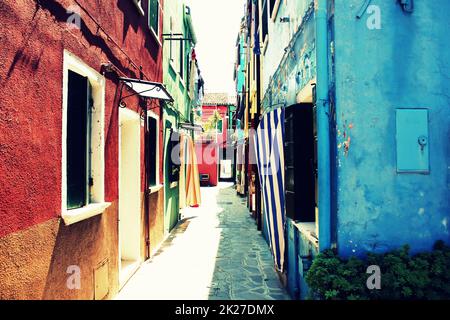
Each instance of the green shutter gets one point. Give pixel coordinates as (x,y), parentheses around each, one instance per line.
(154,15)
(181,71)
(77,140)
(174,159)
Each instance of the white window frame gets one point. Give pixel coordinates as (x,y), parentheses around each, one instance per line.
(138,4)
(154,116)
(156,33)
(96,204)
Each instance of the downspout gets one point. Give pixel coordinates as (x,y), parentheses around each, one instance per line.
(323,126)
(146,185)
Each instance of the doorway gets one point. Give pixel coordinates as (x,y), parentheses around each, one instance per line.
(301,164)
(129,194)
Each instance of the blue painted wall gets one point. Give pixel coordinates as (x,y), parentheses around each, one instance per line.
(405,64)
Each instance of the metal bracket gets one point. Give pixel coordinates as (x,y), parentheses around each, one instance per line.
(176,37)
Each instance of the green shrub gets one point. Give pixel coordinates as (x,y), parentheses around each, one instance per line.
(403,277)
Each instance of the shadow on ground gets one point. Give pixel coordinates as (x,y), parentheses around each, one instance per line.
(244,268)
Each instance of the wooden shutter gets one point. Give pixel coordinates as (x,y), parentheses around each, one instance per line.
(154,16)
(300,163)
(151,148)
(174,171)
(77,140)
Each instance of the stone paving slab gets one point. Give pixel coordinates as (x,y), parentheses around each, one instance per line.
(216,253)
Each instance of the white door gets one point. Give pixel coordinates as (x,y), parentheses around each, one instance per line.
(129,194)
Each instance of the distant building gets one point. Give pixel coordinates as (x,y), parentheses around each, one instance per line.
(215,149)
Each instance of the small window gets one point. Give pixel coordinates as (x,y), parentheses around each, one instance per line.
(181,71)
(239,54)
(256,17)
(153,16)
(173,151)
(153,151)
(220,126)
(79,102)
(265,22)
(170,42)
(83,141)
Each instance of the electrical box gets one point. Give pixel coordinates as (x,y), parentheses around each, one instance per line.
(413,145)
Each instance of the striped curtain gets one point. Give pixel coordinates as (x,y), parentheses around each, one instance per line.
(269,142)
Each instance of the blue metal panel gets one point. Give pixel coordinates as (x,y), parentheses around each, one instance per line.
(412,141)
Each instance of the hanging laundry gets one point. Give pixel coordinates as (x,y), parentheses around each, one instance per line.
(192,79)
(182,180)
(201,86)
(189,175)
(193,196)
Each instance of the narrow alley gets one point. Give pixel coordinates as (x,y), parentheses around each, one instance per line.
(224,150)
(214,253)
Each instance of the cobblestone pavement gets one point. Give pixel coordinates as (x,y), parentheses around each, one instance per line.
(215,253)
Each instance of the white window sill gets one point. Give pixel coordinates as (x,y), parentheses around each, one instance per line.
(89,211)
(154,189)
(309,230)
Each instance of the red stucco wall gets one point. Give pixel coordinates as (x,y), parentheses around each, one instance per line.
(31,95)
(207,157)
(33,36)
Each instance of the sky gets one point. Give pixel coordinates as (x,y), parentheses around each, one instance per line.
(216,24)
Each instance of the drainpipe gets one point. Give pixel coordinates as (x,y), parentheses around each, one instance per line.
(323,126)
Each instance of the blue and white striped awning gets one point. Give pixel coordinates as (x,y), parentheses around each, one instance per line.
(269,142)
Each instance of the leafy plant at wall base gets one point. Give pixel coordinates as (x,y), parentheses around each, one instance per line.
(403,277)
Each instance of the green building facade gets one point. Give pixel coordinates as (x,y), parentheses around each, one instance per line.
(179,40)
